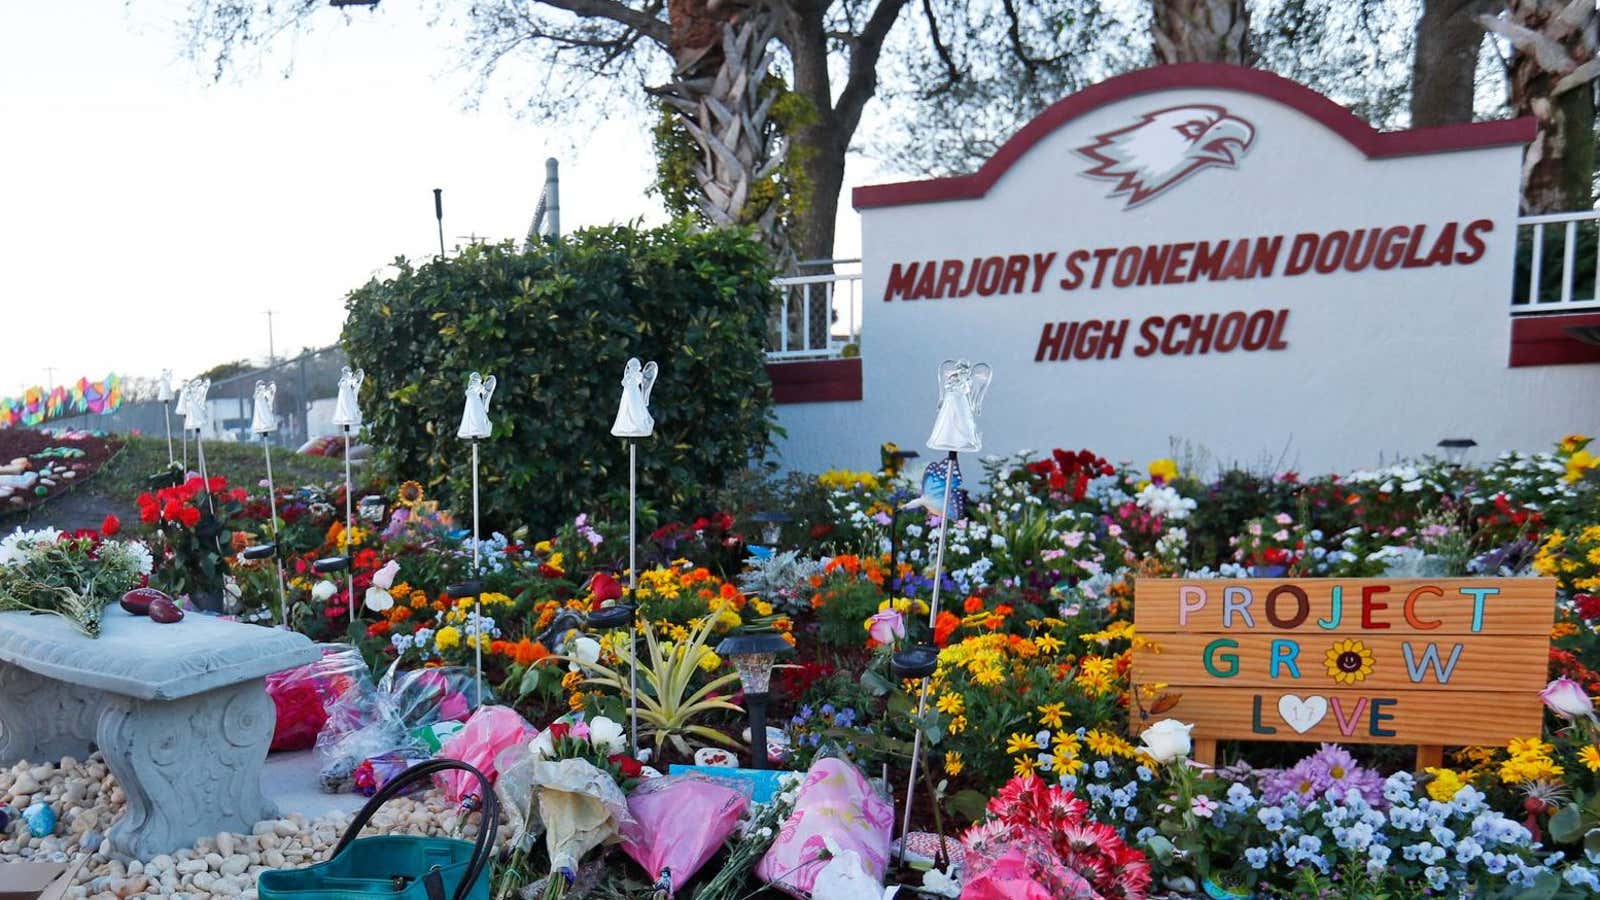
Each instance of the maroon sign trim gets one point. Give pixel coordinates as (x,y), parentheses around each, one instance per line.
(1371,142)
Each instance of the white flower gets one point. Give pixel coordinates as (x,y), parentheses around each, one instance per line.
(606,735)
(140,552)
(935,881)
(378,599)
(13,544)
(1166,740)
(324,590)
(543,746)
(585,651)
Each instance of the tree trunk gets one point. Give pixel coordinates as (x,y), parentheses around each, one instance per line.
(1445,62)
(1200,31)
(1552,70)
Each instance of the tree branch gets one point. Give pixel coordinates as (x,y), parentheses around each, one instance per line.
(643,21)
(862,82)
(952,73)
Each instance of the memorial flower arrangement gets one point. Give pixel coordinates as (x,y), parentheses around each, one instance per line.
(74,576)
(191,528)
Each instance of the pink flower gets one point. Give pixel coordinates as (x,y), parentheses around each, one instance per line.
(1203,806)
(384,577)
(1567,699)
(887,626)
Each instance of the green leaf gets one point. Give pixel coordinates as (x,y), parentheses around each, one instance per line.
(1566,826)
(968,804)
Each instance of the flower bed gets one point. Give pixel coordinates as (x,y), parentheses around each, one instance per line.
(1026,723)
(38,466)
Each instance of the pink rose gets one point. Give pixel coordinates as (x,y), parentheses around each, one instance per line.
(887,626)
(1567,699)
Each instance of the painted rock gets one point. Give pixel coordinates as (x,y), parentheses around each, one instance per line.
(166,612)
(138,600)
(41,819)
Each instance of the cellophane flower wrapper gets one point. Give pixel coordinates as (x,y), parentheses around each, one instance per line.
(371,722)
(680,821)
(372,774)
(582,808)
(835,802)
(490,730)
(1011,877)
(516,789)
(303,695)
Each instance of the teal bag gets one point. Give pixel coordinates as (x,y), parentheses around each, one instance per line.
(398,867)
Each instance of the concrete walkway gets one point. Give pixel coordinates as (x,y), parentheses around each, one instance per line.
(290,780)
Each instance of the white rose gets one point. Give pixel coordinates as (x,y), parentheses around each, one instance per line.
(324,590)
(542,746)
(606,735)
(584,651)
(1166,740)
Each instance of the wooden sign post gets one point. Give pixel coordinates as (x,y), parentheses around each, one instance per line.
(1430,662)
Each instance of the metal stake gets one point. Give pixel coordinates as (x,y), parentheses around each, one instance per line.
(933,615)
(349,524)
(272,503)
(166,416)
(633,598)
(477,608)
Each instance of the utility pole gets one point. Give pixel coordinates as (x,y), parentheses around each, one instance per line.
(272,354)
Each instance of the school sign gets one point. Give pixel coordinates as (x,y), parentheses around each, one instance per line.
(1213,253)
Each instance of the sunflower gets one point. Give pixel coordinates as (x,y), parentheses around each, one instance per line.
(409,495)
(1348,661)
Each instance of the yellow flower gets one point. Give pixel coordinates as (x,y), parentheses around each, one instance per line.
(447,638)
(762,607)
(953,763)
(1348,661)
(577,701)
(1572,443)
(1065,761)
(957,725)
(1165,470)
(1578,464)
(1529,747)
(1021,743)
(1590,757)
(1048,643)
(988,676)
(951,703)
(571,680)
(1025,766)
(709,661)
(1051,714)
(1104,743)
(1445,784)
(555,561)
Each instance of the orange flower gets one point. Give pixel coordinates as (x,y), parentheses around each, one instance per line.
(973,604)
(530,652)
(399,613)
(947,623)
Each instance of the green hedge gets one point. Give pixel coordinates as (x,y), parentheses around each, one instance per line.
(555,324)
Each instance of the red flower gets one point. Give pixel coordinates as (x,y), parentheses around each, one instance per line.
(378,628)
(1588,606)
(110,525)
(216,484)
(558,731)
(630,767)
(149,514)
(189,516)
(238,495)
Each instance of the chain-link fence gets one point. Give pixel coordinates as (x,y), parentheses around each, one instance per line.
(307,388)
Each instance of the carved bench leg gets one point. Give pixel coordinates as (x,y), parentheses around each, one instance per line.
(189,767)
(41,719)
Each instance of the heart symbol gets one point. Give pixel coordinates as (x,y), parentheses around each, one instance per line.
(1302,715)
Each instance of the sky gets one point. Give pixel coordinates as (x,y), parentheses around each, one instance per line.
(153,215)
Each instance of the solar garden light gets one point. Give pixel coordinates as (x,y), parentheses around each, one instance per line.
(347,415)
(633,422)
(475,426)
(264,421)
(962,386)
(753,656)
(164,394)
(199,415)
(1455,450)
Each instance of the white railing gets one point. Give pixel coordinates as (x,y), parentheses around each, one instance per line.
(820,317)
(1533,293)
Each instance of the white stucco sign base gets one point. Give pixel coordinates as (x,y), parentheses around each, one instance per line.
(1210,254)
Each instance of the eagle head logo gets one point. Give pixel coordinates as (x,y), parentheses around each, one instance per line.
(1166,146)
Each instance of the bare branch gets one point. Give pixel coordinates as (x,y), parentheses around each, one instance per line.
(862,82)
(644,21)
(952,72)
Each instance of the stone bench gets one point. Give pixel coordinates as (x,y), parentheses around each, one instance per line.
(179,711)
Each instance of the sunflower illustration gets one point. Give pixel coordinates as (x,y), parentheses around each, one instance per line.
(1348,661)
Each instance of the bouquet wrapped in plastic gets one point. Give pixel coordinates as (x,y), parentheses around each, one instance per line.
(679,822)
(363,725)
(836,805)
(490,731)
(372,774)
(303,695)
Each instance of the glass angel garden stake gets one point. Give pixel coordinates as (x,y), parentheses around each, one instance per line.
(263,422)
(962,386)
(183,421)
(633,422)
(474,427)
(196,419)
(347,415)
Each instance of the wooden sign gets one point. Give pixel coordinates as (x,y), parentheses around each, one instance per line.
(1431,661)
